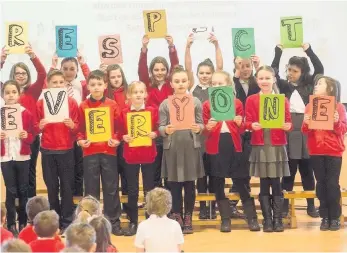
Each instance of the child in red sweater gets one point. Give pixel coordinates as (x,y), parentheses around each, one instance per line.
(136,157)
(46,226)
(30,93)
(15,160)
(34,206)
(102,229)
(268,158)
(157,80)
(100,157)
(326,148)
(57,144)
(4,233)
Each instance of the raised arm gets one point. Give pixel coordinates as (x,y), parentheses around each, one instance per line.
(276,61)
(317,64)
(188,61)
(143,67)
(172,53)
(84,67)
(4,53)
(219,56)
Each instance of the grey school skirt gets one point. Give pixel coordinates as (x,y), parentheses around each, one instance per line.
(297,141)
(269,161)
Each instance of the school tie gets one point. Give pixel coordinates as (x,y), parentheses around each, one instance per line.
(70,90)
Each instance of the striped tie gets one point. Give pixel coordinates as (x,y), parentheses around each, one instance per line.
(70,90)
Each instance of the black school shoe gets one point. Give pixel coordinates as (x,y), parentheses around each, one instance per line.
(325,224)
(13,230)
(117,230)
(334,225)
(131,230)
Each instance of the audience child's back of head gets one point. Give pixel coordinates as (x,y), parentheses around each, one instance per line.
(81,235)
(15,245)
(86,208)
(103,231)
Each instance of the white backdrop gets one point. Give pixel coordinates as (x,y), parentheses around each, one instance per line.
(324,27)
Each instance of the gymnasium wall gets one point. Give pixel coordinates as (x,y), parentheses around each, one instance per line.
(324,27)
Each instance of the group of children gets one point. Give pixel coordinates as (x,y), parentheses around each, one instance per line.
(208,152)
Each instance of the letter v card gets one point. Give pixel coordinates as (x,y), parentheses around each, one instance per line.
(55,104)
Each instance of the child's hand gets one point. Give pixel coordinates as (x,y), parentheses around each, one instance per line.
(286,126)
(256,61)
(23,135)
(4,53)
(305,46)
(3,135)
(113,142)
(54,61)
(195,128)
(256,126)
(127,138)
(145,41)
(169,40)
(213,39)
(152,135)
(43,123)
(307,119)
(190,40)
(280,46)
(211,124)
(84,143)
(238,120)
(336,116)
(237,63)
(170,129)
(80,58)
(69,123)
(29,51)
(103,67)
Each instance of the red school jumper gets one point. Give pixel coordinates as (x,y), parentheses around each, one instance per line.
(138,155)
(278,136)
(156,96)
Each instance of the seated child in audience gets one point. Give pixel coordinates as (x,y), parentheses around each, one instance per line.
(88,207)
(150,236)
(15,245)
(46,226)
(103,234)
(4,233)
(81,235)
(34,206)
(72,249)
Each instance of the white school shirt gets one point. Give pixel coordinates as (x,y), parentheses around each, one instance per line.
(245,86)
(296,103)
(12,149)
(159,234)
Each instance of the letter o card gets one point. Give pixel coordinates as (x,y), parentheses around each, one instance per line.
(16,37)
(222,103)
(110,49)
(322,110)
(11,120)
(139,126)
(182,114)
(98,124)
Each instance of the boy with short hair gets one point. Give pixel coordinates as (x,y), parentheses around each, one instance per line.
(99,158)
(81,235)
(46,226)
(15,245)
(4,233)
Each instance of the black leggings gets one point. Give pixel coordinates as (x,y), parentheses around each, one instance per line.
(274,183)
(240,185)
(189,196)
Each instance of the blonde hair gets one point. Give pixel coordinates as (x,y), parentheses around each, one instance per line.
(272,71)
(15,245)
(158,202)
(81,235)
(3,210)
(133,85)
(87,207)
(228,78)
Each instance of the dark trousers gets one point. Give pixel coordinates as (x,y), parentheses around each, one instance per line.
(132,176)
(35,148)
(206,182)
(240,186)
(306,173)
(273,183)
(121,169)
(58,174)
(189,196)
(327,172)
(104,166)
(78,172)
(157,166)
(16,178)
